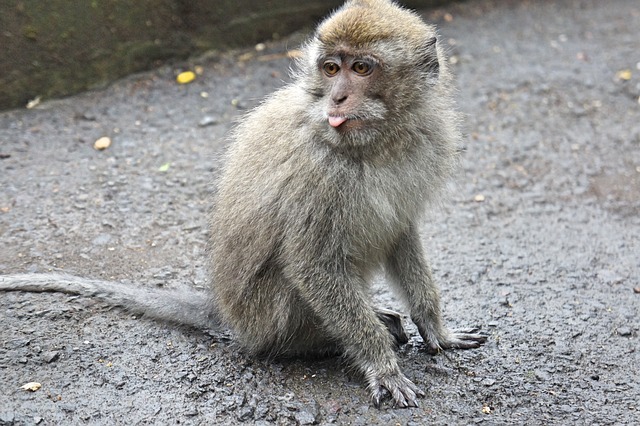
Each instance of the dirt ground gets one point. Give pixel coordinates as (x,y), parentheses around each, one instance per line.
(539,243)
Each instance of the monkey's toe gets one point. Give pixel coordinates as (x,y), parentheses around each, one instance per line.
(464,339)
(457,339)
(402,391)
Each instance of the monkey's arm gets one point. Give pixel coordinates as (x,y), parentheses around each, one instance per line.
(183,307)
(337,296)
(408,267)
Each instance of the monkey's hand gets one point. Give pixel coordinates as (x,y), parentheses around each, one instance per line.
(402,390)
(437,341)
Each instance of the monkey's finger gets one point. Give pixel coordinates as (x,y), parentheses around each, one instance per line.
(378,394)
(472,330)
(465,341)
(479,337)
(403,391)
(404,398)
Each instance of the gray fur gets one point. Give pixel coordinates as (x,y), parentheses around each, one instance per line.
(184,307)
(307,213)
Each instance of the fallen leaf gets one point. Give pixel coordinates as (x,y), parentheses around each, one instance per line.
(624,75)
(31,386)
(102,143)
(186,77)
(34,102)
(246,57)
(164,167)
(486,409)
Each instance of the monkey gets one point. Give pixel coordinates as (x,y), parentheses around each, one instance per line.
(324,185)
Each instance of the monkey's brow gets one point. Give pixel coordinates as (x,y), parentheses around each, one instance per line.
(342,54)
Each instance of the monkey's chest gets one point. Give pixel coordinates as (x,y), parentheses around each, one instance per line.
(381,212)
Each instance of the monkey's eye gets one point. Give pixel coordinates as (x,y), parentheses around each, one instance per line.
(361,68)
(330,68)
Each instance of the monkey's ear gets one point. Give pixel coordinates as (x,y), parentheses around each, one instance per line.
(429,55)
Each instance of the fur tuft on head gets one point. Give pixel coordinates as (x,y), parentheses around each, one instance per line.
(359,23)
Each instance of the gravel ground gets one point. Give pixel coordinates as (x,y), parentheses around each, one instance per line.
(539,243)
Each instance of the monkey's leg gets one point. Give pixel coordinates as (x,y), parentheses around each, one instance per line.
(311,340)
(408,267)
(338,299)
(393,321)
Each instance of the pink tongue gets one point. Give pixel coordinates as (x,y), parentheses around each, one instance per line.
(336,121)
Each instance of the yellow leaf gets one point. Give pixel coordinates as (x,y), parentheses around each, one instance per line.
(624,75)
(186,77)
(102,143)
(164,167)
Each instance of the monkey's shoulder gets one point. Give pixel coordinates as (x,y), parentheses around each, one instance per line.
(277,114)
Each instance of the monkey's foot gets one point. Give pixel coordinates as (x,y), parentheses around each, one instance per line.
(402,390)
(458,339)
(393,321)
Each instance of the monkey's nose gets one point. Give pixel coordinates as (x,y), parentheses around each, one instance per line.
(339,99)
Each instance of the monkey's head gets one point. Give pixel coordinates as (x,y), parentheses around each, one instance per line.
(367,65)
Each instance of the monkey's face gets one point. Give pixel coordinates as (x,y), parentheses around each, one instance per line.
(360,94)
(352,101)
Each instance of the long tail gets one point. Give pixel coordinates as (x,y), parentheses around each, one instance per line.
(183,306)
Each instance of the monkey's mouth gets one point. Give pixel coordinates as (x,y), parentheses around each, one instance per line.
(343,124)
(336,121)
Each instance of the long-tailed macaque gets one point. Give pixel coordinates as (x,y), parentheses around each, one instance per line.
(325,184)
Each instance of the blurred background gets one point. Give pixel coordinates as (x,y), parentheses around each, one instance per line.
(60,47)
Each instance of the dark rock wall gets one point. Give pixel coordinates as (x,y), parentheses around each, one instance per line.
(59,47)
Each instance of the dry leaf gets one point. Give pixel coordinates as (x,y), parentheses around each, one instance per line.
(186,77)
(34,102)
(102,143)
(624,75)
(31,386)
(246,57)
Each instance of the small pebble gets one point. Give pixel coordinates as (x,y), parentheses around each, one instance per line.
(624,331)
(207,121)
(50,357)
